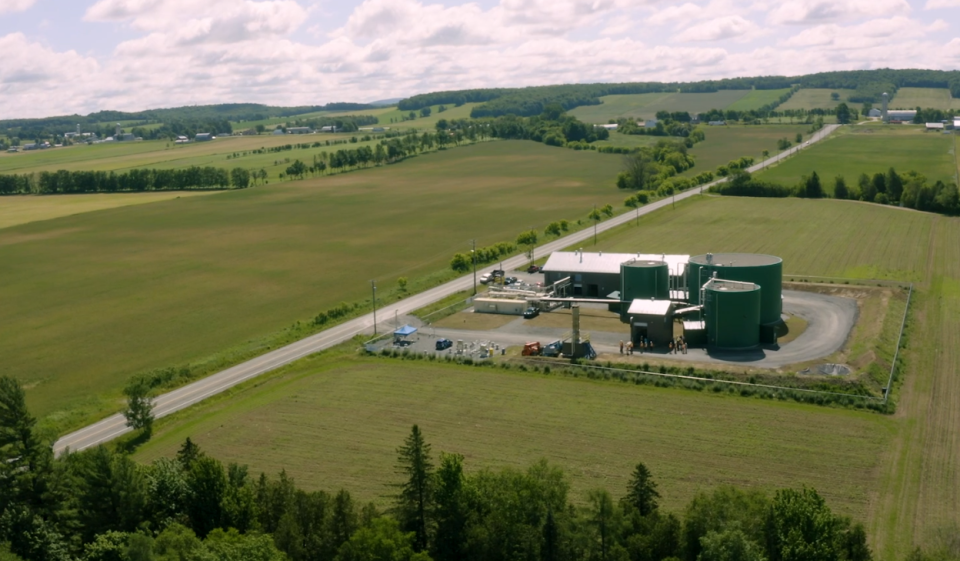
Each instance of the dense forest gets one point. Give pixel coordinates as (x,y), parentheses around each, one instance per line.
(868,85)
(179,120)
(100,505)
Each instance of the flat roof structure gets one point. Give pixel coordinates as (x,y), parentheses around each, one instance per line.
(600,262)
(650,307)
(736,259)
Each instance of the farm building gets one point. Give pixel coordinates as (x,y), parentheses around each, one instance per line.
(329,128)
(935,126)
(203,137)
(609,127)
(278,130)
(651,319)
(299,130)
(598,274)
(875,113)
(901,115)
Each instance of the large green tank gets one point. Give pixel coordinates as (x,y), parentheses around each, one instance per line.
(732,315)
(764,270)
(644,280)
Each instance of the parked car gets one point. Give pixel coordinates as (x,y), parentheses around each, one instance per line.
(534,269)
(444,344)
(531,312)
(510,280)
(485,278)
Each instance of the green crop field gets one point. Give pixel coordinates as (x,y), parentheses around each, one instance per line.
(732,142)
(387,116)
(927,98)
(815,98)
(91,299)
(757,99)
(629,140)
(335,420)
(871,149)
(22,209)
(916,497)
(645,106)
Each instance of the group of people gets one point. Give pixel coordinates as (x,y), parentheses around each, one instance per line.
(676,346)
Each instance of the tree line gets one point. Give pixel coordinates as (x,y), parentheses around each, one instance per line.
(908,190)
(867,86)
(100,505)
(135,180)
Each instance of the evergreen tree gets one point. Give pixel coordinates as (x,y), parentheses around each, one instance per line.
(894,185)
(840,190)
(642,491)
(188,453)
(413,503)
(451,509)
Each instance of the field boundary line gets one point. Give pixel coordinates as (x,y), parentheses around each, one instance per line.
(861,282)
(714,380)
(896,353)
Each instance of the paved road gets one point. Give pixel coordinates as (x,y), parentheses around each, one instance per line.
(168,403)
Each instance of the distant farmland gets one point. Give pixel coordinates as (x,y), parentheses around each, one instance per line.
(815,98)
(871,149)
(645,106)
(732,142)
(927,98)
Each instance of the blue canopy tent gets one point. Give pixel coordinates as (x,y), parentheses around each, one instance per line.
(401,334)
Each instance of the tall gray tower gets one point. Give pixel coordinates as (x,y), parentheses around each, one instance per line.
(883,107)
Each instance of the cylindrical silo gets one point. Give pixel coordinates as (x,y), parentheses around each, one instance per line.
(644,280)
(763,270)
(732,315)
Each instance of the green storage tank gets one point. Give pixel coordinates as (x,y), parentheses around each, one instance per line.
(763,270)
(732,315)
(644,280)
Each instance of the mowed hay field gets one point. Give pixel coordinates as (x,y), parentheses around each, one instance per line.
(927,98)
(91,299)
(335,421)
(916,498)
(870,149)
(645,106)
(757,99)
(732,142)
(815,98)
(23,209)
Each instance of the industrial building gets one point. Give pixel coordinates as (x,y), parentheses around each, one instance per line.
(725,301)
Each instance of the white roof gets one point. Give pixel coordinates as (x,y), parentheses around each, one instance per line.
(934,125)
(571,261)
(650,307)
(956,123)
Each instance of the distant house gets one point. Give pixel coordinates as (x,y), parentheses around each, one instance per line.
(875,113)
(278,130)
(956,123)
(181,140)
(31,146)
(13,150)
(717,123)
(299,130)
(378,129)
(250,132)
(935,126)
(609,127)
(329,128)
(650,123)
(125,137)
(203,137)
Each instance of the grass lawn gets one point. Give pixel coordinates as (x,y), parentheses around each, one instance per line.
(757,99)
(870,149)
(91,299)
(917,494)
(732,142)
(335,421)
(815,98)
(645,106)
(22,209)
(927,98)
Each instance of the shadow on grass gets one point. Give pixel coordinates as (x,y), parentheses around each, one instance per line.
(130,443)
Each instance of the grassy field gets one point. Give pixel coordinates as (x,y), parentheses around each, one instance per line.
(25,209)
(870,149)
(815,98)
(90,299)
(334,421)
(628,140)
(645,106)
(732,142)
(757,99)
(927,98)
(387,116)
(916,496)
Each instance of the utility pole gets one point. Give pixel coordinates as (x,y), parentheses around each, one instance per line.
(373,284)
(473,257)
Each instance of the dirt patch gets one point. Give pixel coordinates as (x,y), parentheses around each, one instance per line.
(468,319)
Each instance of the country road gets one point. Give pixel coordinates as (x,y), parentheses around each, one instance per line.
(115,425)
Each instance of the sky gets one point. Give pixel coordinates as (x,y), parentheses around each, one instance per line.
(59,57)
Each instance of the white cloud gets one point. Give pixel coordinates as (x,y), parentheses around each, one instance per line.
(11,6)
(673,14)
(861,36)
(936,4)
(822,11)
(724,28)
